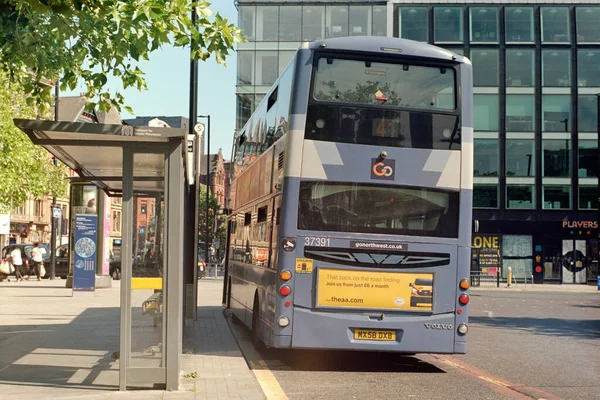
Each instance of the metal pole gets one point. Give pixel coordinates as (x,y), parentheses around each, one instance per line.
(207,190)
(52,219)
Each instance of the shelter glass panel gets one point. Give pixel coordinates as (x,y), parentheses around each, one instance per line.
(148,302)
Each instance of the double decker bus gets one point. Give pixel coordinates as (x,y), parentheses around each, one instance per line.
(351,201)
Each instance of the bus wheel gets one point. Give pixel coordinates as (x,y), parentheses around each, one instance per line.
(255,325)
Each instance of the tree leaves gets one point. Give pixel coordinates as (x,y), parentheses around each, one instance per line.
(25,169)
(92,39)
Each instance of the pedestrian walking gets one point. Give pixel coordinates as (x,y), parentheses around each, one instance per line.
(37,256)
(17,262)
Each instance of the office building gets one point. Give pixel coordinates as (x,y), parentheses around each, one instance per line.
(536,76)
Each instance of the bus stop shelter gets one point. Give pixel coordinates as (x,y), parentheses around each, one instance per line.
(131,162)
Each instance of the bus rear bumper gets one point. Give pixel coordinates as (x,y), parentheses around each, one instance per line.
(413,333)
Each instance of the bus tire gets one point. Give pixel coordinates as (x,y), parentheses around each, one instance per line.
(258,345)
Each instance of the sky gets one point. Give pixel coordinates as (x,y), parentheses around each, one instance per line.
(168,94)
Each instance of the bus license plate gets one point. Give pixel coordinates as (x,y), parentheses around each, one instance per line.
(372,334)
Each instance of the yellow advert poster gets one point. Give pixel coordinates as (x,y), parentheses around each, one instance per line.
(374,290)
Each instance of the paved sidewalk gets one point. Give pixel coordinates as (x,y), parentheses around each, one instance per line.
(564,288)
(55,346)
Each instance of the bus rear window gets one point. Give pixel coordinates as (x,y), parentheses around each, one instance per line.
(376,83)
(385,209)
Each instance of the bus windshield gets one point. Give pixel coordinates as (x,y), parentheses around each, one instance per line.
(367,208)
(398,85)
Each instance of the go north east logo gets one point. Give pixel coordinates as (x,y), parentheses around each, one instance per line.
(383,169)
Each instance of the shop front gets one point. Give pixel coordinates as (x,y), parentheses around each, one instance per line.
(545,251)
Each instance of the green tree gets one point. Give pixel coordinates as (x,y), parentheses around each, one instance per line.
(217,222)
(44,40)
(25,169)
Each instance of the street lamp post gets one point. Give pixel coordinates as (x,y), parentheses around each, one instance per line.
(207,186)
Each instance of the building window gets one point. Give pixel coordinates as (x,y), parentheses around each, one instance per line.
(245,67)
(588,30)
(267,23)
(587,113)
(520,157)
(379,21)
(267,68)
(245,106)
(588,158)
(485,67)
(246,18)
(360,20)
(485,196)
(556,197)
(143,208)
(557,158)
(588,68)
(556,68)
(520,196)
(520,112)
(519,24)
(448,24)
(556,113)
(290,23)
(486,157)
(285,57)
(485,112)
(313,23)
(588,197)
(555,24)
(337,21)
(414,23)
(519,68)
(39,208)
(484,24)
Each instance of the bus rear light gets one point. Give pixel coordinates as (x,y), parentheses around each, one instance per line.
(283,321)
(459,311)
(285,290)
(285,275)
(463,329)
(464,284)
(288,303)
(463,299)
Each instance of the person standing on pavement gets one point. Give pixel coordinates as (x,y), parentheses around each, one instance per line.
(37,256)
(17,262)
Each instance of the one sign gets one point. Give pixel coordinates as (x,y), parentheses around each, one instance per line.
(374,290)
(488,251)
(56,212)
(4,224)
(580,224)
(85,247)
(191,158)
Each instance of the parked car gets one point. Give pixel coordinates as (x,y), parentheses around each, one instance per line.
(62,262)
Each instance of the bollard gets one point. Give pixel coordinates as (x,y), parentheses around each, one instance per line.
(509,276)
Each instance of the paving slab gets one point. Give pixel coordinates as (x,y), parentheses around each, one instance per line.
(53,345)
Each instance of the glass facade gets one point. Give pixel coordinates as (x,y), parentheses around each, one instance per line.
(557,158)
(519,24)
(413,23)
(536,72)
(520,157)
(485,196)
(486,158)
(520,196)
(485,67)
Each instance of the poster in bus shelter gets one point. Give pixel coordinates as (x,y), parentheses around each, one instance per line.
(84,259)
(374,290)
